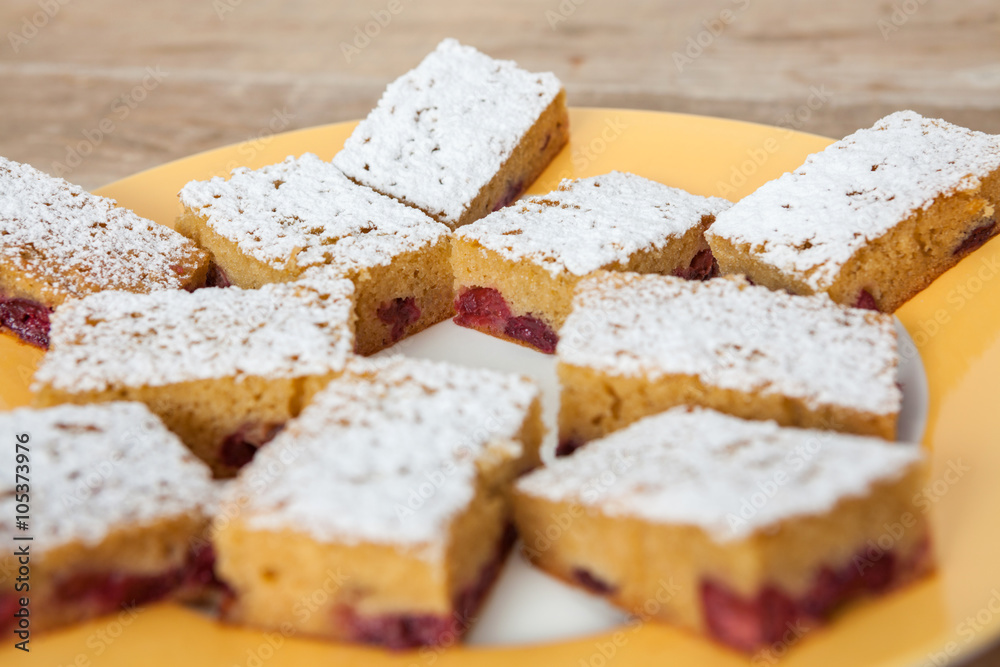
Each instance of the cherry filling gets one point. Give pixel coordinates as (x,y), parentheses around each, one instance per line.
(703,266)
(510,194)
(199,571)
(865,300)
(977,237)
(485,308)
(105,592)
(592,583)
(482,308)
(216,277)
(532,331)
(398,631)
(568,446)
(9,605)
(545,144)
(399,314)
(26,319)
(239,447)
(748,624)
(403,631)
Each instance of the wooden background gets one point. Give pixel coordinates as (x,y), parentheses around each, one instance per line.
(99,89)
(77,96)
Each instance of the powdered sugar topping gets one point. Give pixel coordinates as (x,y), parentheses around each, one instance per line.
(734,335)
(692,466)
(811,221)
(115,339)
(304,212)
(97,469)
(388,458)
(592,223)
(443,130)
(77,243)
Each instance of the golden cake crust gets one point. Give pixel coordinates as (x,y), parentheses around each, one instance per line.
(884,211)
(210,363)
(60,242)
(113,492)
(534,252)
(304,217)
(396,478)
(460,135)
(689,496)
(635,345)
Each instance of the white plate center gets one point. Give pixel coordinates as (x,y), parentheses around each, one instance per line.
(527,606)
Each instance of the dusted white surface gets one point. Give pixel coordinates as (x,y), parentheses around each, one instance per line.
(527,606)
(98,468)
(809,222)
(731,334)
(78,243)
(304,212)
(442,131)
(115,339)
(592,223)
(390,458)
(697,467)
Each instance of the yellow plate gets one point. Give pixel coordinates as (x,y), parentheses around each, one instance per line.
(955,324)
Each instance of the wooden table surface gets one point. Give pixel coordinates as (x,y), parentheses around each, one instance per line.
(99,89)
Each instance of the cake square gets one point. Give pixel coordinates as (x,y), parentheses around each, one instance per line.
(114,507)
(392,489)
(871,220)
(275,223)
(223,368)
(58,241)
(635,345)
(460,136)
(735,529)
(515,269)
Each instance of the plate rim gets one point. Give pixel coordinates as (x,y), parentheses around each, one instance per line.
(980,644)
